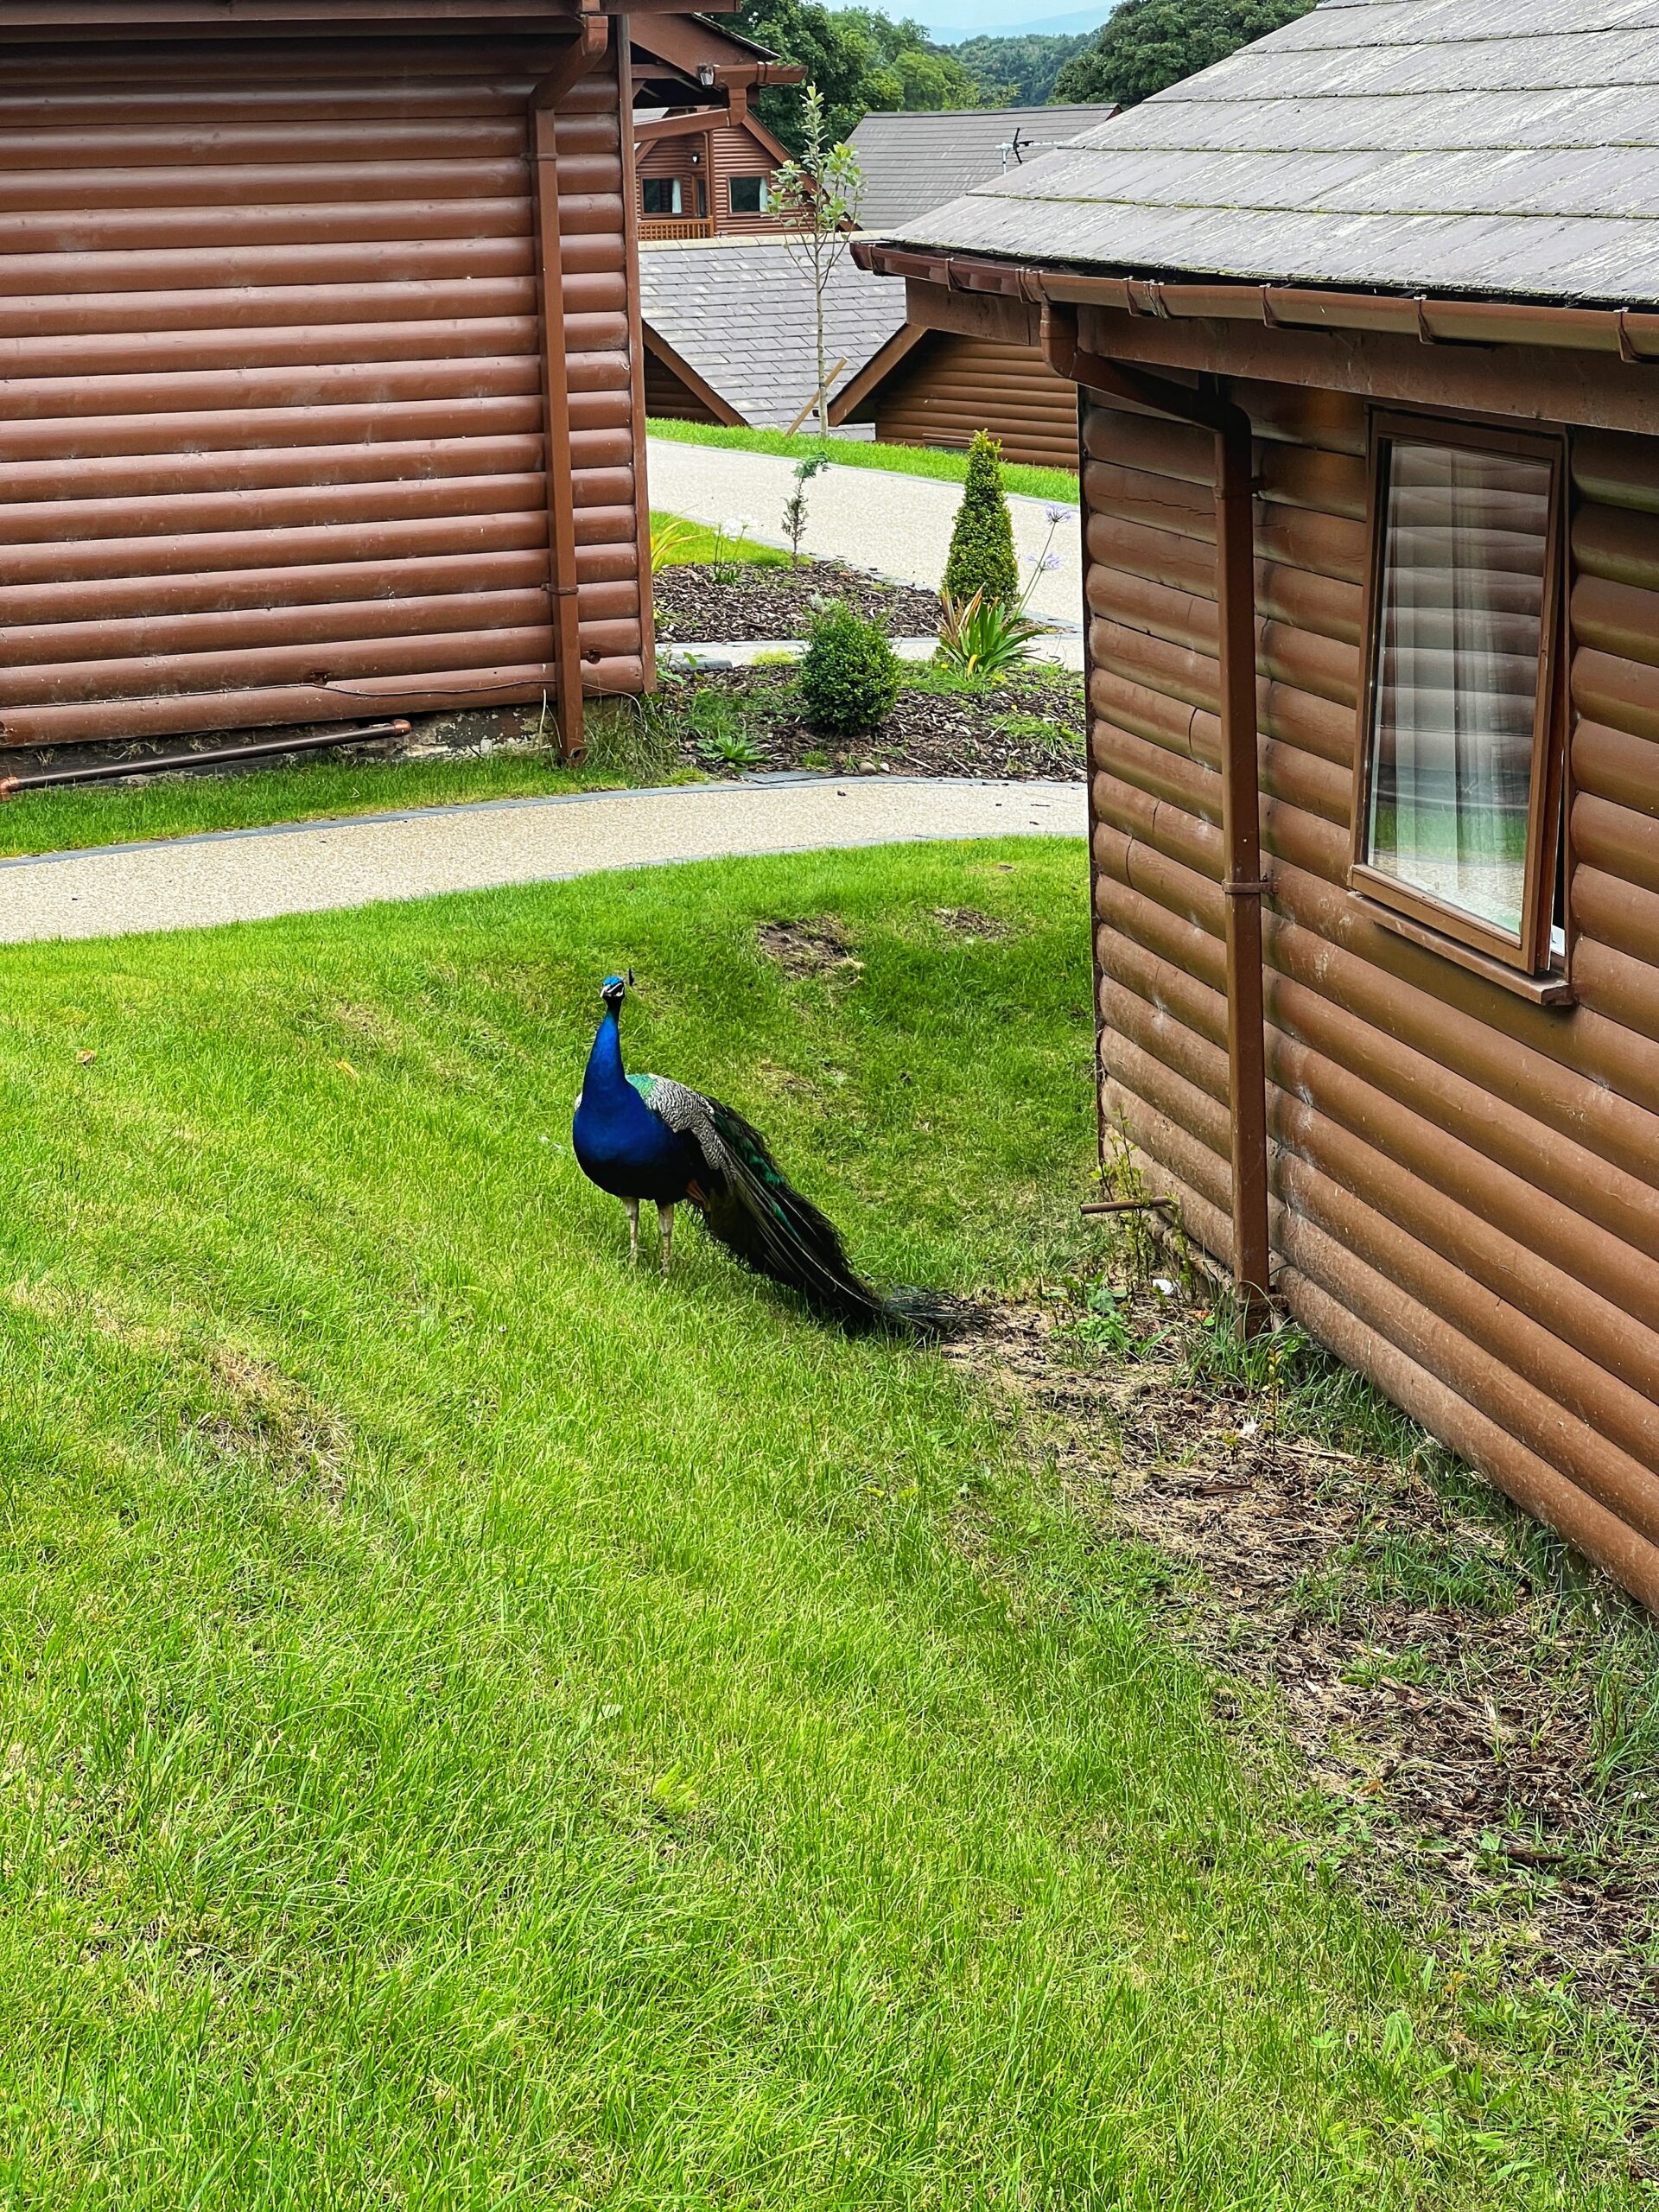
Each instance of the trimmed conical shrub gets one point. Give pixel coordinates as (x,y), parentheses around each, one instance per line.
(982,544)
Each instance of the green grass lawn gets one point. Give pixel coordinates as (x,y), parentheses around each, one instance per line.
(696,545)
(183,805)
(861,452)
(480,1726)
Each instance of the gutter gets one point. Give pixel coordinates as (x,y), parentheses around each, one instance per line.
(1631,334)
(1240,809)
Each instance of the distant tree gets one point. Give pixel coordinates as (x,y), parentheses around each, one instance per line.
(1019,72)
(1150,44)
(858,60)
(819,194)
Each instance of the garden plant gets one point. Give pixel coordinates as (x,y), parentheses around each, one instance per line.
(982,557)
(850,673)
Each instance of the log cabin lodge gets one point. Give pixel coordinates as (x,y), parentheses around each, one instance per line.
(1364,323)
(321,331)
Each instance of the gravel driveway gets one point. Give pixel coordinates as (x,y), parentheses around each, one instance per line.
(898,525)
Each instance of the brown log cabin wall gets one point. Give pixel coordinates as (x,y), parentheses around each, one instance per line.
(669,398)
(949,386)
(272,445)
(1466,1184)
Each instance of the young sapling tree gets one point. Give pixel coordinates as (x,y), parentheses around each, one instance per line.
(795,504)
(819,194)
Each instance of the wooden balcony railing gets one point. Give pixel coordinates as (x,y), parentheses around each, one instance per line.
(675,226)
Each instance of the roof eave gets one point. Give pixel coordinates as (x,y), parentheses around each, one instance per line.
(1632,333)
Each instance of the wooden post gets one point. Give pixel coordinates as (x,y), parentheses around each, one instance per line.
(581,56)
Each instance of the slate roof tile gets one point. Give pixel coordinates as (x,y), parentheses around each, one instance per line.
(1481,147)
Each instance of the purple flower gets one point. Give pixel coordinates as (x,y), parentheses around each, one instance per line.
(1057,515)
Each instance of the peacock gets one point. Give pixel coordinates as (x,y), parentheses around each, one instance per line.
(645,1138)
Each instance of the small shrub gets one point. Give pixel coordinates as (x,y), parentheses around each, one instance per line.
(982,544)
(850,677)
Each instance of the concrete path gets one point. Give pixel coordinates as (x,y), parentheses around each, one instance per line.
(898,525)
(245,875)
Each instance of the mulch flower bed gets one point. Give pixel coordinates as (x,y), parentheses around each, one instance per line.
(1436,1691)
(744,603)
(927,733)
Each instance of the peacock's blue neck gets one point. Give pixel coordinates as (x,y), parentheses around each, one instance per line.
(606,1076)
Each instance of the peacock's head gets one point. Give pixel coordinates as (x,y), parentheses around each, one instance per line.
(614,989)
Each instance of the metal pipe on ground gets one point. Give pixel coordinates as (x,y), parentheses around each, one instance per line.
(104,772)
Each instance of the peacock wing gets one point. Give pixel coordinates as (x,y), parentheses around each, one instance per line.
(688,1113)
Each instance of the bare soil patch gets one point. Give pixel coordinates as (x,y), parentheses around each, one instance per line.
(808,948)
(700,604)
(1446,1700)
(969,922)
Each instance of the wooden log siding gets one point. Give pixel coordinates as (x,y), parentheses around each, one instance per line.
(272,448)
(1465,1185)
(949,387)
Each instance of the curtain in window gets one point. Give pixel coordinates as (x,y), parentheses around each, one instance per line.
(1457,679)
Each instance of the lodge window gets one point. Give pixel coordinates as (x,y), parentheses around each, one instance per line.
(661,195)
(748,195)
(1458,825)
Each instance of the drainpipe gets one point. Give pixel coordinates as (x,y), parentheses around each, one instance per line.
(1241,825)
(580,57)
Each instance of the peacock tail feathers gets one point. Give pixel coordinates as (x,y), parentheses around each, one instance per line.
(750,1207)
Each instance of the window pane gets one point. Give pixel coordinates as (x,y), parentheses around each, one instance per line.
(1459,636)
(661,195)
(748,195)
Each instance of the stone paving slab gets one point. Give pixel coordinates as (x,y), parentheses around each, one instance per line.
(873,518)
(245,875)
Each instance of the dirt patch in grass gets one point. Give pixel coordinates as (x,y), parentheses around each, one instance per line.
(263,1415)
(969,922)
(706,606)
(808,948)
(1438,1665)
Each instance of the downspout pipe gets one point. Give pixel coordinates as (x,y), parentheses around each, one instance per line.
(582,55)
(1241,807)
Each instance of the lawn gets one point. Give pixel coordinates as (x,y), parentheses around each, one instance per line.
(679,543)
(863,453)
(480,1726)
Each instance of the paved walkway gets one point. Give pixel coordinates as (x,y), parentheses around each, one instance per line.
(245,875)
(900,525)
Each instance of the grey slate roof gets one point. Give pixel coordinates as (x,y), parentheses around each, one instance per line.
(738,311)
(913,161)
(1496,146)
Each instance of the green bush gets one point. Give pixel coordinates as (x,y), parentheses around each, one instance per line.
(982,544)
(850,677)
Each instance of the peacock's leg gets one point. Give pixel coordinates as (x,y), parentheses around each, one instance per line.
(665,1222)
(632,1205)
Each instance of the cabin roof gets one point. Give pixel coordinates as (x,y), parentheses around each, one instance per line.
(1502,148)
(738,313)
(913,162)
